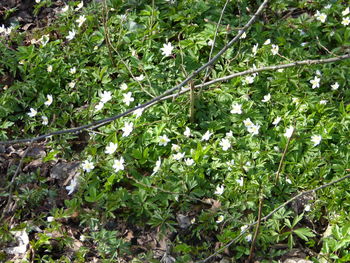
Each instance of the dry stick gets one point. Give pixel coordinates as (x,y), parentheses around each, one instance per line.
(192,102)
(283,156)
(251,254)
(271,213)
(165,96)
(108,42)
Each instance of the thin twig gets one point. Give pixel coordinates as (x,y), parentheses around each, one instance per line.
(108,42)
(270,214)
(166,95)
(283,156)
(251,254)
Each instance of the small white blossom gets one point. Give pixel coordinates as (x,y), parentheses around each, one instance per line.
(45,120)
(163,140)
(210,42)
(266,98)
(44,39)
(118,165)
(49,100)
(71,84)
(65,9)
(167,49)
(335,86)
(296,100)
(315,82)
(32,112)
(345,21)
(321,16)
(236,108)
(248,123)
(225,144)
(73,70)
(123,86)
(187,132)
(99,106)
(243,36)
(277,120)
(255,49)
(50,219)
(79,6)
(318,73)
(49,68)
(175,147)
(229,134)
(288,181)
(178,156)
(307,208)
(267,42)
(249,237)
(274,49)
(346,11)
(81,20)
(289,132)
(140,78)
(328,6)
(127,98)
(254,129)
(206,136)
(37,1)
(240,181)
(71,35)
(73,185)
(189,161)
(316,139)
(127,129)
(323,102)
(249,79)
(138,112)
(157,166)
(106,96)
(220,219)
(219,190)
(243,228)
(111,148)
(87,166)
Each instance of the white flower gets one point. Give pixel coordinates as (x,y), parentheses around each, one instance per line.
(315,82)
(266,98)
(335,86)
(79,6)
(249,79)
(127,129)
(236,108)
(345,21)
(70,188)
(187,132)
(167,49)
(255,49)
(254,129)
(44,39)
(303,44)
(65,9)
(127,98)
(296,100)
(73,70)
(71,35)
(321,16)
(248,123)
(328,6)
(123,86)
(49,68)
(106,96)
(163,140)
(289,132)
(316,139)
(206,136)
(140,78)
(220,219)
(50,219)
(219,190)
(111,148)
(45,120)
(277,120)
(225,144)
(118,165)
(193,220)
(32,112)
(178,156)
(267,42)
(323,102)
(49,100)
(243,36)
(189,161)
(158,164)
(318,73)
(71,84)
(274,49)
(229,134)
(37,1)
(81,20)
(240,181)
(99,106)
(88,166)
(288,181)
(138,112)
(346,11)
(210,42)
(248,238)
(175,147)
(243,228)
(307,208)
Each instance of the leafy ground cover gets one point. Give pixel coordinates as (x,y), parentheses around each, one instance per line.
(176,180)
